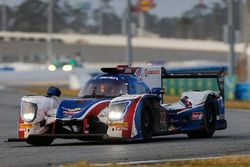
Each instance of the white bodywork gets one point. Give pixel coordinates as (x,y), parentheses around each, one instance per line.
(197,98)
(46,110)
(151,75)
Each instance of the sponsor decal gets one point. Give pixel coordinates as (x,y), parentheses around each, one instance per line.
(119,125)
(151,72)
(128,70)
(109,77)
(69,111)
(24,126)
(197,116)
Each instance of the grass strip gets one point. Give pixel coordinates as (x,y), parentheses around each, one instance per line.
(225,161)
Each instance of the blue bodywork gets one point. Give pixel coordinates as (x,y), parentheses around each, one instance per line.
(76,108)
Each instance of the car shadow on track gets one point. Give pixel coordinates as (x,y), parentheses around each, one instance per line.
(165,139)
(124,142)
(105,142)
(113,142)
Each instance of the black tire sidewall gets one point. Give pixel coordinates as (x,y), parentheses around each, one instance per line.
(206,132)
(210,102)
(147,109)
(40,141)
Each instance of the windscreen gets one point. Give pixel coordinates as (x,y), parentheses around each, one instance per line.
(104,88)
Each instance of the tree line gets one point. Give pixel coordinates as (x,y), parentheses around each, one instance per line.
(200,22)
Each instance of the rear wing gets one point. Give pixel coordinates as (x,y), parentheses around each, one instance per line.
(219,76)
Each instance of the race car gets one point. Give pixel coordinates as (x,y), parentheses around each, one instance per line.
(65,64)
(123,103)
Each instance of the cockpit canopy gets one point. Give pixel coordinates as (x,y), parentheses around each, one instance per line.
(106,86)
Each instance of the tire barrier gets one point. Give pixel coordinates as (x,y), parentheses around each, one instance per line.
(242,91)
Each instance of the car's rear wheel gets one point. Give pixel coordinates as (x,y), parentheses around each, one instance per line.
(147,120)
(209,120)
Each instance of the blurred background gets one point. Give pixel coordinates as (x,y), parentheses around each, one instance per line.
(65,42)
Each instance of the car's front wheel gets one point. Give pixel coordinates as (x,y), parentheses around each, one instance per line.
(147,120)
(37,141)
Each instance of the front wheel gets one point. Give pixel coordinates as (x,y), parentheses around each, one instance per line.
(209,120)
(40,141)
(147,120)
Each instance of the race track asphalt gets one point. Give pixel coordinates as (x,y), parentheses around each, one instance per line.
(234,140)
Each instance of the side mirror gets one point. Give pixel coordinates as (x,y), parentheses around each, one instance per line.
(158,91)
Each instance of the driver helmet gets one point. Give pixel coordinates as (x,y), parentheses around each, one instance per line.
(53,91)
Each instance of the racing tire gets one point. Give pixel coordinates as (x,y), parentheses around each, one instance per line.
(40,141)
(146,120)
(209,120)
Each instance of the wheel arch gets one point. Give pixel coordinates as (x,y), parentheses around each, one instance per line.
(209,119)
(155,103)
(213,97)
(211,104)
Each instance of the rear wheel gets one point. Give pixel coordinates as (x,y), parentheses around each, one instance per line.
(209,120)
(147,120)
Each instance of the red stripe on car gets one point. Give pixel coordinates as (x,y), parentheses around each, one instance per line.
(97,109)
(129,118)
(20,131)
(179,110)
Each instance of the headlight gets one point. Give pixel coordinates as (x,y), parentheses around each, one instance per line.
(52,67)
(117,110)
(67,67)
(28,111)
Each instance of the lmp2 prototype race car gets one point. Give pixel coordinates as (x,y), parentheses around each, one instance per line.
(123,103)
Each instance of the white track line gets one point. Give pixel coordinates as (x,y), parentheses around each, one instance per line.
(238,110)
(157,161)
